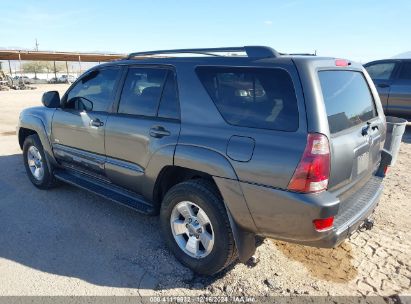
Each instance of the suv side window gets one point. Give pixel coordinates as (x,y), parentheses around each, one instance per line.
(253,97)
(381,70)
(169,106)
(142,91)
(405,72)
(94,91)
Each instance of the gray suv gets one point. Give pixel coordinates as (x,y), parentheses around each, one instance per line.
(225,146)
(392,77)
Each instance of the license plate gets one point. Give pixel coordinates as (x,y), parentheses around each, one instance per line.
(362,162)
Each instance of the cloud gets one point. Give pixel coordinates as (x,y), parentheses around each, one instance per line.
(268,22)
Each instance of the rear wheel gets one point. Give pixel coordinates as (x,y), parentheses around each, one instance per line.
(35,163)
(196,228)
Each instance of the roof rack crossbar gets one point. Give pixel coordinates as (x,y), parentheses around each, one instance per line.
(251,51)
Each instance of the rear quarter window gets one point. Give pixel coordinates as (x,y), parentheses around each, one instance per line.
(347,97)
(252,97)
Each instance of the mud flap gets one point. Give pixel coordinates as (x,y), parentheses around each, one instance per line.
(386,158)
(244,240)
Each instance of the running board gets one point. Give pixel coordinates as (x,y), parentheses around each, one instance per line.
(106,190)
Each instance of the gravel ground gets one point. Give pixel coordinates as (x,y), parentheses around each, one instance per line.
(70,242)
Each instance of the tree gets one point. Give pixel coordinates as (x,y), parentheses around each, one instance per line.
(42,66)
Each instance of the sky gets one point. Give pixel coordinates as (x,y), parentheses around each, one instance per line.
(358,30)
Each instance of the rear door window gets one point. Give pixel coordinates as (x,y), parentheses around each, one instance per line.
(347,97)
(252,97)
(381,71)
(142,91)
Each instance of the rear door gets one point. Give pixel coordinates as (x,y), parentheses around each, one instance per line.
(399,101)
(147,121)
(355,127)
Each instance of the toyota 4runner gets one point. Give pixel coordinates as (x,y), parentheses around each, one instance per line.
(225,144)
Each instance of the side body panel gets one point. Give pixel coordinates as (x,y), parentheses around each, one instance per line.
(205,136)
(266,157)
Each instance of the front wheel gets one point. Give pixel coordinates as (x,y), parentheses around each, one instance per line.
(196,228)
(35,163)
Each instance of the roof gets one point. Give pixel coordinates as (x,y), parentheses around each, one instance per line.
(58,56)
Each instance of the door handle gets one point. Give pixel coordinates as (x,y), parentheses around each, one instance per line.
(96,123)
(365,130)
(383,85)
(159,132)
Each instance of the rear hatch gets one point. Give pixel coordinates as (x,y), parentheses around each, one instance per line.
(356,130)
(343,104)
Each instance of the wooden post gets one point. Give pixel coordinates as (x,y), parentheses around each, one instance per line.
(79,64)
(21,69)
(67,73)
(55,72)
(11,73)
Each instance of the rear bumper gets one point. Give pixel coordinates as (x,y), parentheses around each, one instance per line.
(288,216)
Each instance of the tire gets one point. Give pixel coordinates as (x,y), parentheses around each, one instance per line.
(199,195)
(33,150)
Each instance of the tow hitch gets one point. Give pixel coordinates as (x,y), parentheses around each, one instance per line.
(367,225)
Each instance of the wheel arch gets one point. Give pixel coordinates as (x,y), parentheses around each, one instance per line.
(30,125)
(191,162)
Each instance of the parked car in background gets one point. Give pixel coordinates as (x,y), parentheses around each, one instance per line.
(22,79)
(66,79)
(392,77)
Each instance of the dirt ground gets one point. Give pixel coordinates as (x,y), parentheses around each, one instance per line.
(70,242)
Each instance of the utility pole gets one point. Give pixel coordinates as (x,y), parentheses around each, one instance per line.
(36,48)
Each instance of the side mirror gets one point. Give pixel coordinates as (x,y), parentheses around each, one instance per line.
(51,99)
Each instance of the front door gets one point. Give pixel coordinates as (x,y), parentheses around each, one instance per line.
(147,122)
(382,73)
(78,127)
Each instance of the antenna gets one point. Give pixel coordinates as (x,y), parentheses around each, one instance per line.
(37,46)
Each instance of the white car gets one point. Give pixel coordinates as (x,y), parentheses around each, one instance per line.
(66,78)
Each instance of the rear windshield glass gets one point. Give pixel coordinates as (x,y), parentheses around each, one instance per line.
(347,98)
(252,97)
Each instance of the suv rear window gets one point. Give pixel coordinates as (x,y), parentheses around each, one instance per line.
(252,97)
(347,99)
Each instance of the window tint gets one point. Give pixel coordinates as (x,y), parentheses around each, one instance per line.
(169,107)
(347,98)
(95,91)
(252,97)
(405,72)
(142,90)
(381,70)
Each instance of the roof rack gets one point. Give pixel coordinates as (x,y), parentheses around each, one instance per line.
(251,51)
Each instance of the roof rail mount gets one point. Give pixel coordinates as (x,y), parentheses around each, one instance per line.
(257,52)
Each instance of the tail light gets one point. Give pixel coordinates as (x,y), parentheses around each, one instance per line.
(342,62)
(313,171)
(323,224)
